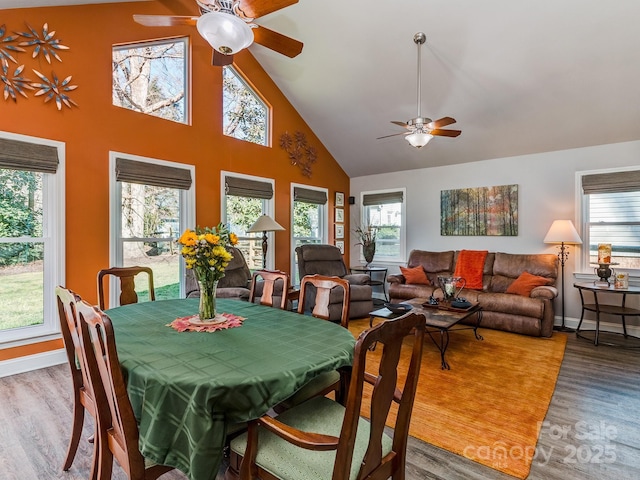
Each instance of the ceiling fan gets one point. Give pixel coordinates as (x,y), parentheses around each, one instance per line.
(228,26)
(422,129)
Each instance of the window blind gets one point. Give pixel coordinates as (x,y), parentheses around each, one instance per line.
(244,187)
(614,182)
(382,198)
(34,157)
(307,195)
(152,174)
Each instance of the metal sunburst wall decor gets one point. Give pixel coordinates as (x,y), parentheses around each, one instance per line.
(300,153)
(41,44)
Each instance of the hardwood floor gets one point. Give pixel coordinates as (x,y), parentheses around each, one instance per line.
(592,428)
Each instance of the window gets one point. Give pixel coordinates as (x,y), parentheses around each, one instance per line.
(245,114)
(151,78)
(309,221)
(31,235)
(611,212)
(244,199)
(384,209)
(153,203)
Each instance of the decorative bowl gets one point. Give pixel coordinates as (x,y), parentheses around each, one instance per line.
(398,307)
(460,304)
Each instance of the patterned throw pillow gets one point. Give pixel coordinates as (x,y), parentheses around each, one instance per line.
(415,275)
(527,282)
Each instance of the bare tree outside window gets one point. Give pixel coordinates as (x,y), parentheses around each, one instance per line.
(245,115)
(151,78)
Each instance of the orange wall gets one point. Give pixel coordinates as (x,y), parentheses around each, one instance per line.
(95,127)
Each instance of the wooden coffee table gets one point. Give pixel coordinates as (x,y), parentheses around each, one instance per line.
(440,321)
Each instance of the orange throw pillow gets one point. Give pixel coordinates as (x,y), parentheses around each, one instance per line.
(415,275)
(469,266)
(527,282)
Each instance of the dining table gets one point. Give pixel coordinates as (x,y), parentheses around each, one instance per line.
(188,388)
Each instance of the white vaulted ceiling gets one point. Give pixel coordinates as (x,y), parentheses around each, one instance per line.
(519,77)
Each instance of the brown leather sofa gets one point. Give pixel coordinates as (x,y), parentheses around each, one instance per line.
(533,315)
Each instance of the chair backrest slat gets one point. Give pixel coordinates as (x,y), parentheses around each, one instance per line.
(126,275)
(323,287)
(274,282)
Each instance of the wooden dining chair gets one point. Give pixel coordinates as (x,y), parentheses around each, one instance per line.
(294,445)
(331,381)
(324,286)
(83,397)
(268,288)
(117,427)
(126,275)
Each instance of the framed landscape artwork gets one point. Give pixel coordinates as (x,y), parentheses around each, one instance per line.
(481,211)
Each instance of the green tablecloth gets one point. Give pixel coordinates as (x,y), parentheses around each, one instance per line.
(186,388)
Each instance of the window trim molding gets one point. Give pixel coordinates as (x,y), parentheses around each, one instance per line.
(187,211)
(401,259)
(53,229)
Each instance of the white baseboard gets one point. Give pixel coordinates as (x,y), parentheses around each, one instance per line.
(32,362)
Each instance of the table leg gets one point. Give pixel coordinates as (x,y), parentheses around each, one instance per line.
(477,325)
(442,345)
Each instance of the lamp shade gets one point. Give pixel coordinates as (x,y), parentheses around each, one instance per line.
(563,231)
(418,139)
(225,32)
(265,224)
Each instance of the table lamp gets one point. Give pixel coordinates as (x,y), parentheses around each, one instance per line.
(265,224)
(564,233)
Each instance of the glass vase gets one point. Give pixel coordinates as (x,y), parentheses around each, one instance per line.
(207,309)
(368,252)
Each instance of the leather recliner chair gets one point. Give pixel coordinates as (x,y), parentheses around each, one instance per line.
(327,260)
(234,284)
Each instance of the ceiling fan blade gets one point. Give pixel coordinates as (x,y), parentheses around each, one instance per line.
(220,59)
(393,135)
(260,8)
(164,20)
(277,42)
(402,124)
(445,133)
(442,122)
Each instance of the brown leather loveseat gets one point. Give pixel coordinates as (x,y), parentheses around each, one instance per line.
(529,315)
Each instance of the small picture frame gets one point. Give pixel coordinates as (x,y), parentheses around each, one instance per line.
(339,199)
(339,215)
(339,231)
(340,245)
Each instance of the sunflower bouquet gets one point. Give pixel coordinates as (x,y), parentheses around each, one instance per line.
(205,251)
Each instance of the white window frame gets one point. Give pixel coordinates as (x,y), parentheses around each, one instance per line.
(401,258)
(268,209)
(584,265)
(187,214)
(260,99)
(186,72)
(324,222)
(53,238)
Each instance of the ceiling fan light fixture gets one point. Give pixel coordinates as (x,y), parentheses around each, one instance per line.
(225,32)
(418,139)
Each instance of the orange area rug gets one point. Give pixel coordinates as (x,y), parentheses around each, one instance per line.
(489,407)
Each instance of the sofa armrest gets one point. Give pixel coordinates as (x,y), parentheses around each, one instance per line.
(396,279)
(546,292)
(357,279)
